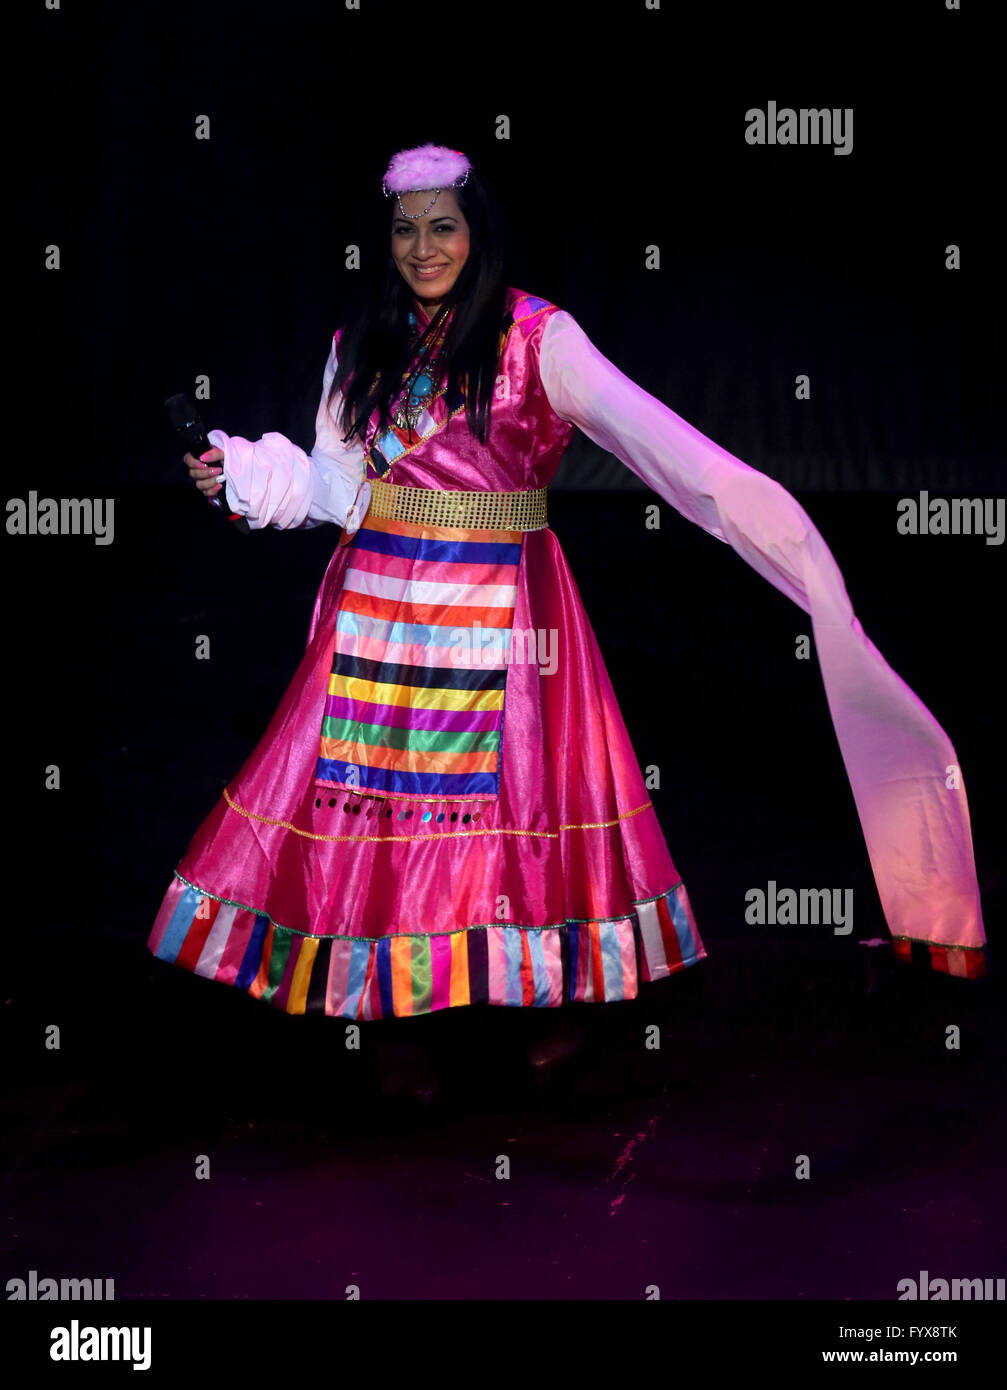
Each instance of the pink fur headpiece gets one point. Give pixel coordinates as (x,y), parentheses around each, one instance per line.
(425,167)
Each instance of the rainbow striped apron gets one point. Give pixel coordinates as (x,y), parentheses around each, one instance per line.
(415,700)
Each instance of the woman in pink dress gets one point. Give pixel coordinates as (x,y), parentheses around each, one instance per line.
(446,808)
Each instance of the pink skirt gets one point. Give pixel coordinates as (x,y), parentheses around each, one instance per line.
(352,902)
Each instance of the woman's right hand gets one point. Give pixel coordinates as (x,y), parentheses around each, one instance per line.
(207,474)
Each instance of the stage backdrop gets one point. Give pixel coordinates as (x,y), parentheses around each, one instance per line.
(822,310)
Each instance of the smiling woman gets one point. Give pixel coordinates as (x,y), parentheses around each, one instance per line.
(428,249)
(421,828)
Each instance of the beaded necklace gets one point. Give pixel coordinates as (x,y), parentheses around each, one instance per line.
(415,397)
(419,387)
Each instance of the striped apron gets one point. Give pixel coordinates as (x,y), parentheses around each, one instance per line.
(415,701)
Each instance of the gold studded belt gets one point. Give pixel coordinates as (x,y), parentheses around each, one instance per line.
(469,511)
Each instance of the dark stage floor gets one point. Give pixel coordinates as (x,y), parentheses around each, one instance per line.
(628,1168)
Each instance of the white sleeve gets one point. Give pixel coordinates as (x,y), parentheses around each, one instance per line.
(273,482)
(896,754)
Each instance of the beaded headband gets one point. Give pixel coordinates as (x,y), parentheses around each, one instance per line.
(424,167)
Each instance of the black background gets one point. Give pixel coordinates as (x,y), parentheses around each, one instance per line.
(181,257)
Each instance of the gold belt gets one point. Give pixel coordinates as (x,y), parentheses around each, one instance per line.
(469,511)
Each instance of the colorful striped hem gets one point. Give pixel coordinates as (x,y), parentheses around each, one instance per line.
(966,962)
(403,974)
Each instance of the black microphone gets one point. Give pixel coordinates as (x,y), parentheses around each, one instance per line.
(185,419)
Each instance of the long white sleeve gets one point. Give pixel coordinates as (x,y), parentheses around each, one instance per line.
(902,766)
(273,482)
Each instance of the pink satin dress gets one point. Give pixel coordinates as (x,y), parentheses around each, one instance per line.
(417,831)
(550,881)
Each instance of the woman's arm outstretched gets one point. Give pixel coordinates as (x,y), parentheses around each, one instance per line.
(914,813)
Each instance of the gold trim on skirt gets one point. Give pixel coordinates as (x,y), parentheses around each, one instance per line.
(469,511)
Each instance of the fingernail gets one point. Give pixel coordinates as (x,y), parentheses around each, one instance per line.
(203,457)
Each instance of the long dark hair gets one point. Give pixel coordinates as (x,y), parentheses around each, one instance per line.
(376,337)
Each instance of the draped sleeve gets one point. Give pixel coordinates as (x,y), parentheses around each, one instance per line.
(272,482)
(902,767)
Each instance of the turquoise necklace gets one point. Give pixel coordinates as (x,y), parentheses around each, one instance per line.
(419,386)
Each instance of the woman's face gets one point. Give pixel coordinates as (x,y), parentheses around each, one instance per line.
(437,243)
